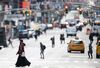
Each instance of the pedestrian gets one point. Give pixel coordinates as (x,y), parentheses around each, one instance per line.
(42,48)
(91,37)
(62,38)
(45,30)
(90,51)
(53,41)
(35,36)
(10,42)
(22,60)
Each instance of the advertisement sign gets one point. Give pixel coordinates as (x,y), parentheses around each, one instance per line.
(26,4)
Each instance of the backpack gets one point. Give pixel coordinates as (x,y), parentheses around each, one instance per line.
(44,47)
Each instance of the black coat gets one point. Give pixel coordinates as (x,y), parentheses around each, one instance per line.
(53,40)
(42,47)
(62,37)
(90,49)
(91,37)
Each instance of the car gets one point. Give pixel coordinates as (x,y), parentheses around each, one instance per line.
(71,31)
(76,45)
(23,34)
(31,33)
(49,26)
(96,27)
(43,26)
(63,22)
(64,25)
(98,50)
(74,14)
(72,21)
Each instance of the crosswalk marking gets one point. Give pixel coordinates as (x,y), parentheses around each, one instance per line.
(95,61)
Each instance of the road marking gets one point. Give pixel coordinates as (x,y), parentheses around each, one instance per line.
(95,62)
(86,61)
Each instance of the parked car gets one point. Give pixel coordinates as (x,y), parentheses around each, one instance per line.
(23,34)
(71,31)
(31,33)
(76,45)
(98,50)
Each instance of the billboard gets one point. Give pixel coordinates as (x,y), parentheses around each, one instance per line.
(26,4)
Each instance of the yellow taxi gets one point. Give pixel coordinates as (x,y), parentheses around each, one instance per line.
(98,49)
(76,45)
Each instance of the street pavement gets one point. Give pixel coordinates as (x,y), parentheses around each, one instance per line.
(56,57)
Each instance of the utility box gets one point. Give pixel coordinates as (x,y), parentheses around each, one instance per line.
(3,37)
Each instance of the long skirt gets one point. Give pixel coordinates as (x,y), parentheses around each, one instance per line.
(22,61)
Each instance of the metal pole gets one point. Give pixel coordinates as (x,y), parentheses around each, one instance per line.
(18,4)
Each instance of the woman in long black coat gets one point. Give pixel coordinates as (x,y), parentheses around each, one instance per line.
(22,61)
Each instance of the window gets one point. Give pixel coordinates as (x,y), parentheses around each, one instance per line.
(77,42)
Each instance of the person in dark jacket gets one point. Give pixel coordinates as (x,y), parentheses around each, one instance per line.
(35,36)
(90,51)
(62,38)
(42,48)
(22,60)
(53,41)
(91,38)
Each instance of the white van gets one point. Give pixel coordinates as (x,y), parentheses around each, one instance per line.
(71,31)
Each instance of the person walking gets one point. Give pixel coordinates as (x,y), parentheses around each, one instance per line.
(22,61)
(53,41)
(91,38)
(90,51)
(10,42)
(42,48)
(62,38)
(35,36)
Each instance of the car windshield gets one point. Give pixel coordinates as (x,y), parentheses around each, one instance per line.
(77,42)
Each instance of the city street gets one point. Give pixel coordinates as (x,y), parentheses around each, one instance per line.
(56,57)
(38,23)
